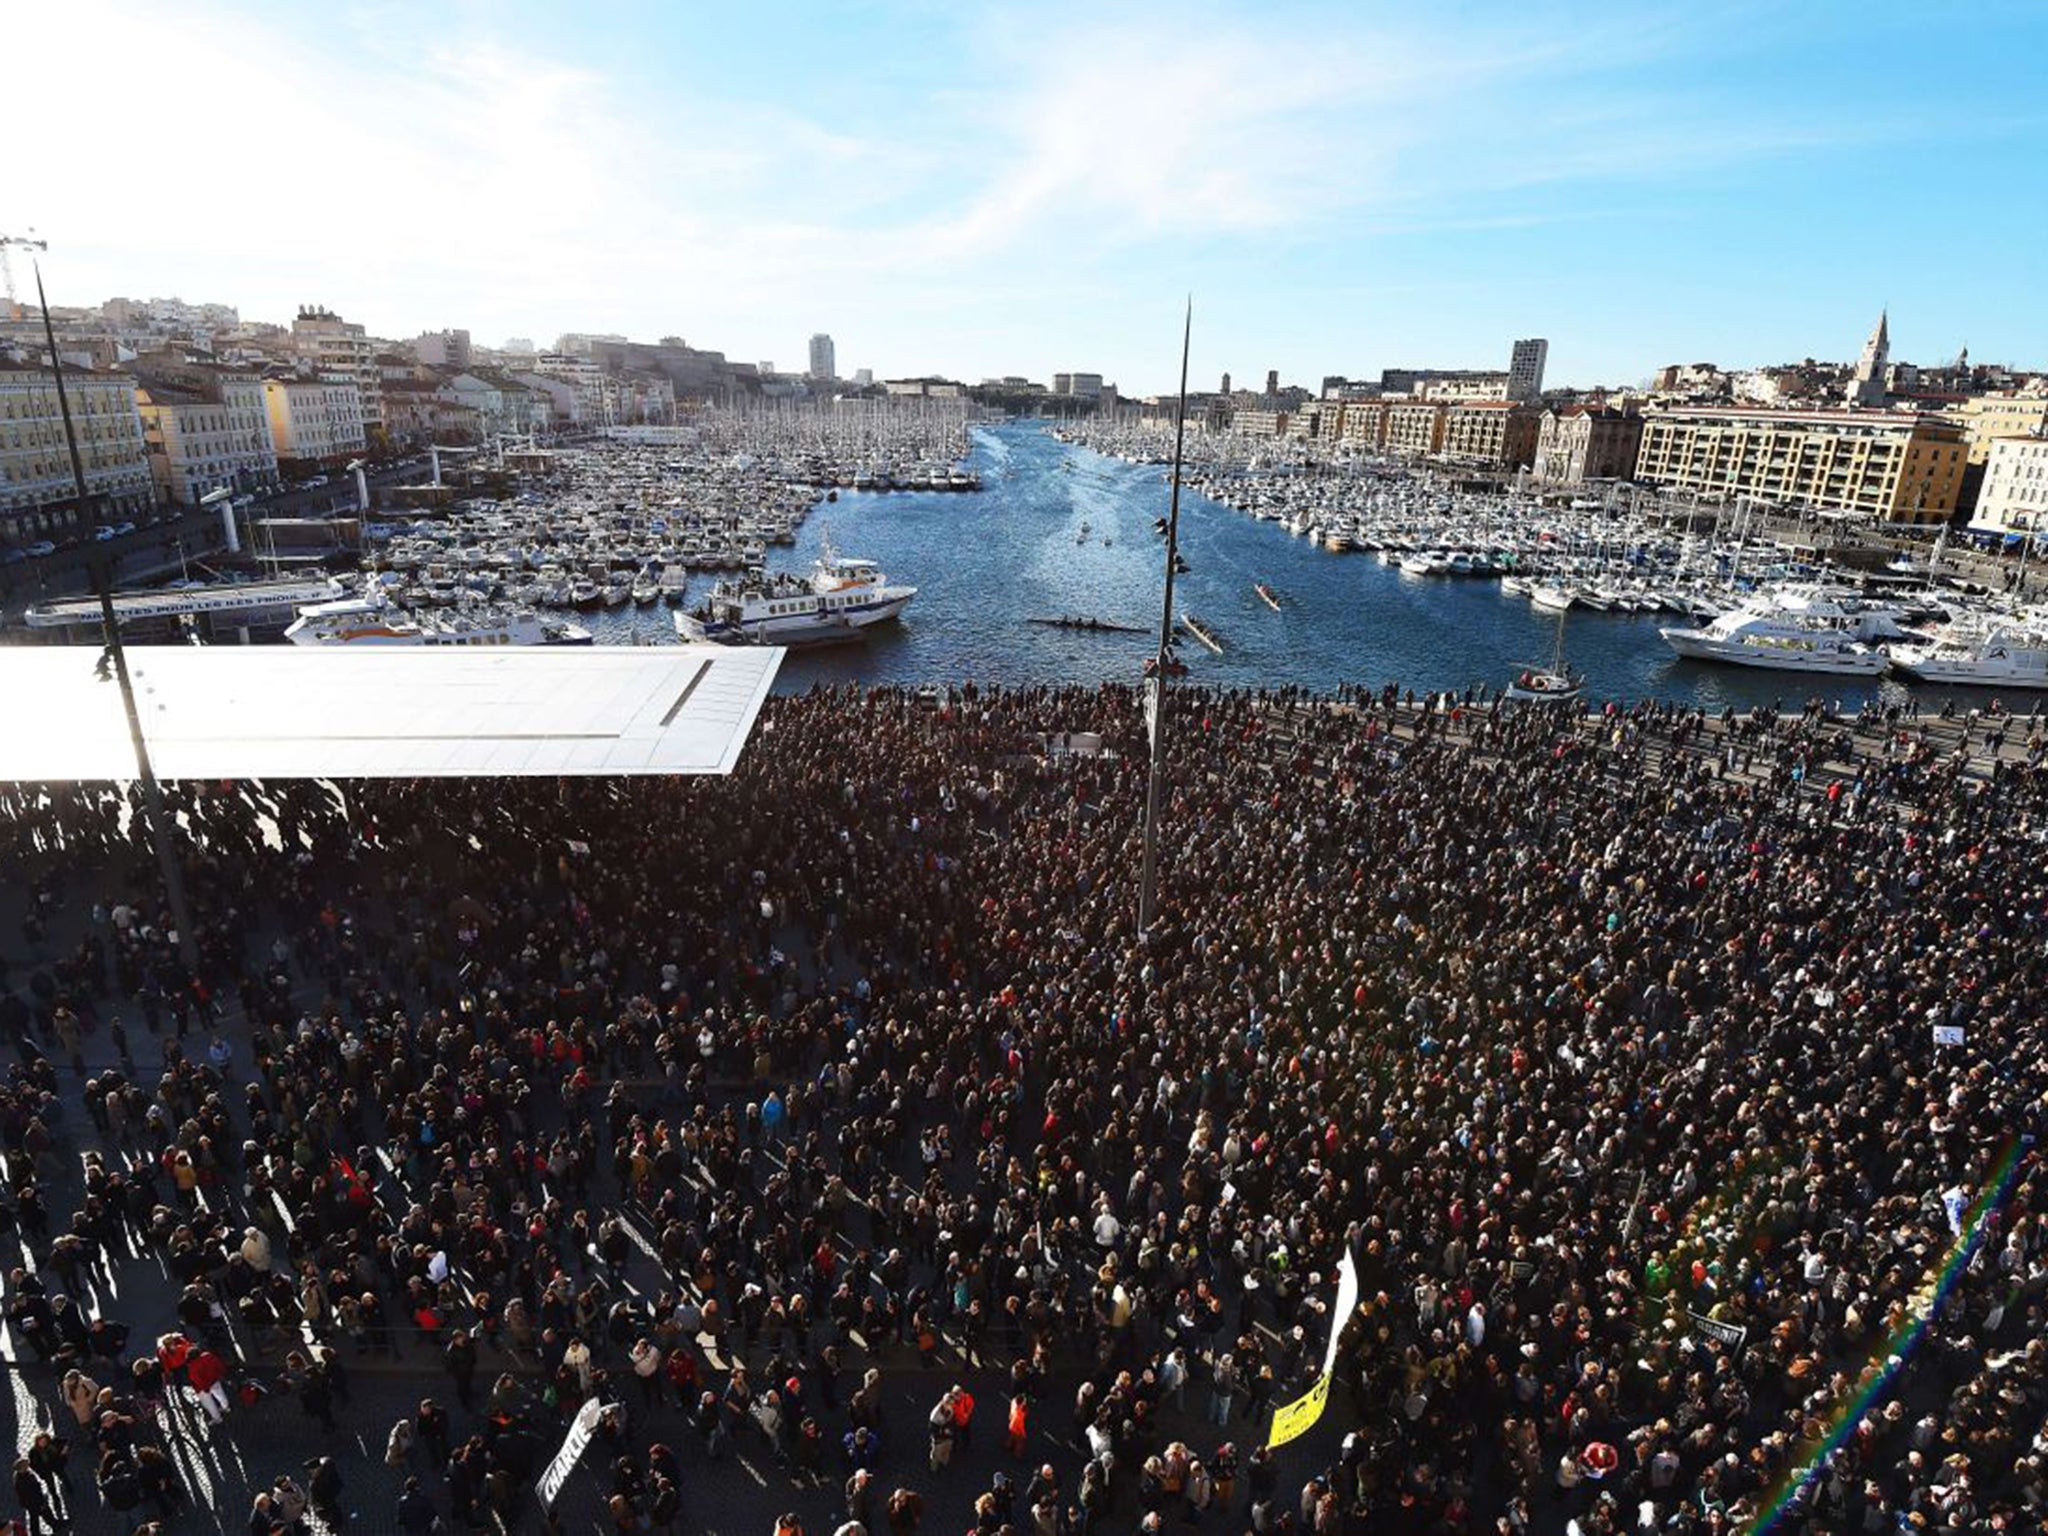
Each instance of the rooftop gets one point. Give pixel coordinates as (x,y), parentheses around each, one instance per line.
(234,712)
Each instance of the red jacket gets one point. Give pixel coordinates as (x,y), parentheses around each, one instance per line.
(205,1370)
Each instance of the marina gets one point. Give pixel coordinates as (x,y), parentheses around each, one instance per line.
(744,533)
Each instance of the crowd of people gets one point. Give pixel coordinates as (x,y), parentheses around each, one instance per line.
(1672,1081)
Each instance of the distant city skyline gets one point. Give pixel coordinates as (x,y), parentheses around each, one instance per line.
(999,190)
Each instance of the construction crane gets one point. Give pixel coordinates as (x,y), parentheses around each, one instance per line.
(8,243)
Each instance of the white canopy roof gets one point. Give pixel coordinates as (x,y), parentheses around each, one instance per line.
(286,711)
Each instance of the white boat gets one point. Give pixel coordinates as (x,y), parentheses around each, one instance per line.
(372,621)
(1813,635)
(1556,683)
(1427,562)
(1999,655)
(841,600)
(1552,597)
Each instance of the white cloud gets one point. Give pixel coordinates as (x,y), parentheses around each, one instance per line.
(415,166)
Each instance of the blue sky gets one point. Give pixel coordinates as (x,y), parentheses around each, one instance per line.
(984,189)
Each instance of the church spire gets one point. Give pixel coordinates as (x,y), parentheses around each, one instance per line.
(1867,385)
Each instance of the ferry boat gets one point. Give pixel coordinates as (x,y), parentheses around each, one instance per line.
(840,600)
(2003,655)
(1812,635)
(372,621)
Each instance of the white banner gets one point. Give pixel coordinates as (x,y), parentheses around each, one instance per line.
(581,1428)
(1347,1303)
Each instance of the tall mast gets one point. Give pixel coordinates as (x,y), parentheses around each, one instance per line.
(1155,696)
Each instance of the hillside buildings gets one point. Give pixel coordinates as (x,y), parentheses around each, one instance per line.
(331,345)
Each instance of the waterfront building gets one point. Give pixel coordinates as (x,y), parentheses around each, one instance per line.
(1578,443)
(204,429)
(2014,497)
(1259,423)
(1867,383)
(314,420)
(1891,466)
(1309,421)
(1525,369)
(1361,423)
(1500,434)
(37,495)
(824,358)
(1414,427)
(335,346)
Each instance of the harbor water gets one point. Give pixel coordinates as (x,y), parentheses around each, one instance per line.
(986,565)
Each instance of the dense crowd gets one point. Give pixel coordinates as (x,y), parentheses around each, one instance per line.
(837,1118)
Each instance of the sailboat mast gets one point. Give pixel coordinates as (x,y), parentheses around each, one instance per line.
(1156,684)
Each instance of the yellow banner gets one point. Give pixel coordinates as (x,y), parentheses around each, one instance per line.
(1299,1417)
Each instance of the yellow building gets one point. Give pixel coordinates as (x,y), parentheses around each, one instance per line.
(1987,418)
(314,420)
(1496,433)
(1361,423)
(1415,426)
(1259,423)
(205,429)
(1890,466)
(37,494)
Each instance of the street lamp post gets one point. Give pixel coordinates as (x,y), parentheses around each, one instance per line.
(153,812)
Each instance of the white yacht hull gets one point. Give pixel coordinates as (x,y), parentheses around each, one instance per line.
(1697,645)
(2019,669)
(813,628)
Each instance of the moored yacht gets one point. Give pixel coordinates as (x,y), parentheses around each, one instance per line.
(2005,654)
(373,621)
(840,600)
(1812,636)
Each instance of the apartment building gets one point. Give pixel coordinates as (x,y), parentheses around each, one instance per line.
(314,420)
(1414,427)
(1499,434)
(2014,498)
(1891,466)
(37,493)
(1987,418)
(205,429)
(333,345)
(1582,442)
